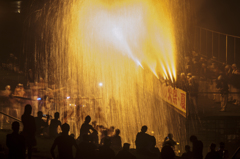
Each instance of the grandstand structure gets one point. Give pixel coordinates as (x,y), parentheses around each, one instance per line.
(205,120)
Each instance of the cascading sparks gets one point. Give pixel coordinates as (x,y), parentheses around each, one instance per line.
(95,50)
(134,28)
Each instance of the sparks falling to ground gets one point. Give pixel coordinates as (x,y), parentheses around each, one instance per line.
(106,54)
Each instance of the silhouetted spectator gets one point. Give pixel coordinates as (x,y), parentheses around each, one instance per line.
(53,128)
(116,140)
(64,142)
(86,127)
(193,91)
(182,82)
(104,136)
(213,154)
(7,92)
(145,143)
(111,131)
(169,140)
(124,153)
(105,152)
(204,71)
(222,152)
(30,77)
(167,151)
(86,148)
(29,129)
(223,88)
(16,143)
(188,154)
(40,123)
(197,148)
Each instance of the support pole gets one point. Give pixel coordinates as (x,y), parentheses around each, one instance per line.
(234,50)
(226,49)
(212,44)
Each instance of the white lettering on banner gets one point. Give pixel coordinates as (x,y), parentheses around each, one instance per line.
(174,96)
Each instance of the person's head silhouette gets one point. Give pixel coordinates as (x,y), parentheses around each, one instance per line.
(88,119)
(193,138)
(65,128)
(28,109)
(56,115)
(126,146)
(212,147)
(15,126)
(170,136)
(144,128)
(117,132)
(40,114)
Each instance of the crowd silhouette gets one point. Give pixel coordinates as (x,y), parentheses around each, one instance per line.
(86,146)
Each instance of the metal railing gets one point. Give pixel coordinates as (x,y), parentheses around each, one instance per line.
(216,45)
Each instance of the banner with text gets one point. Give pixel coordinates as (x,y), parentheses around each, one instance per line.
(174,96)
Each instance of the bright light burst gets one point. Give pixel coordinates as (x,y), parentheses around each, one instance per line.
(131,28)
(84,42)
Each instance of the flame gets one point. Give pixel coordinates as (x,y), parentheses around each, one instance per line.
(132,28)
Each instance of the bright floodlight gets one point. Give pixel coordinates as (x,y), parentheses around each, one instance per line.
(68,97)
(100,84)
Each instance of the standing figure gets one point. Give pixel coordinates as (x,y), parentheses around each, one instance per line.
(116,141)
(187,154)
(169,140)
(29,129)
(40,123)
(213,154)
(64,144)
(16,143)
(86,127)
(145,143)
(53,128)
(222,151)
(197,147)
(223,88)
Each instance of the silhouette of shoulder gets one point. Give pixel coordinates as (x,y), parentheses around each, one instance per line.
(167,153)
(29,124)
(125,155)
(65,144)
(86,127)
(213,155)
(187,155)
(87,150)
(16,145)
(56,122)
